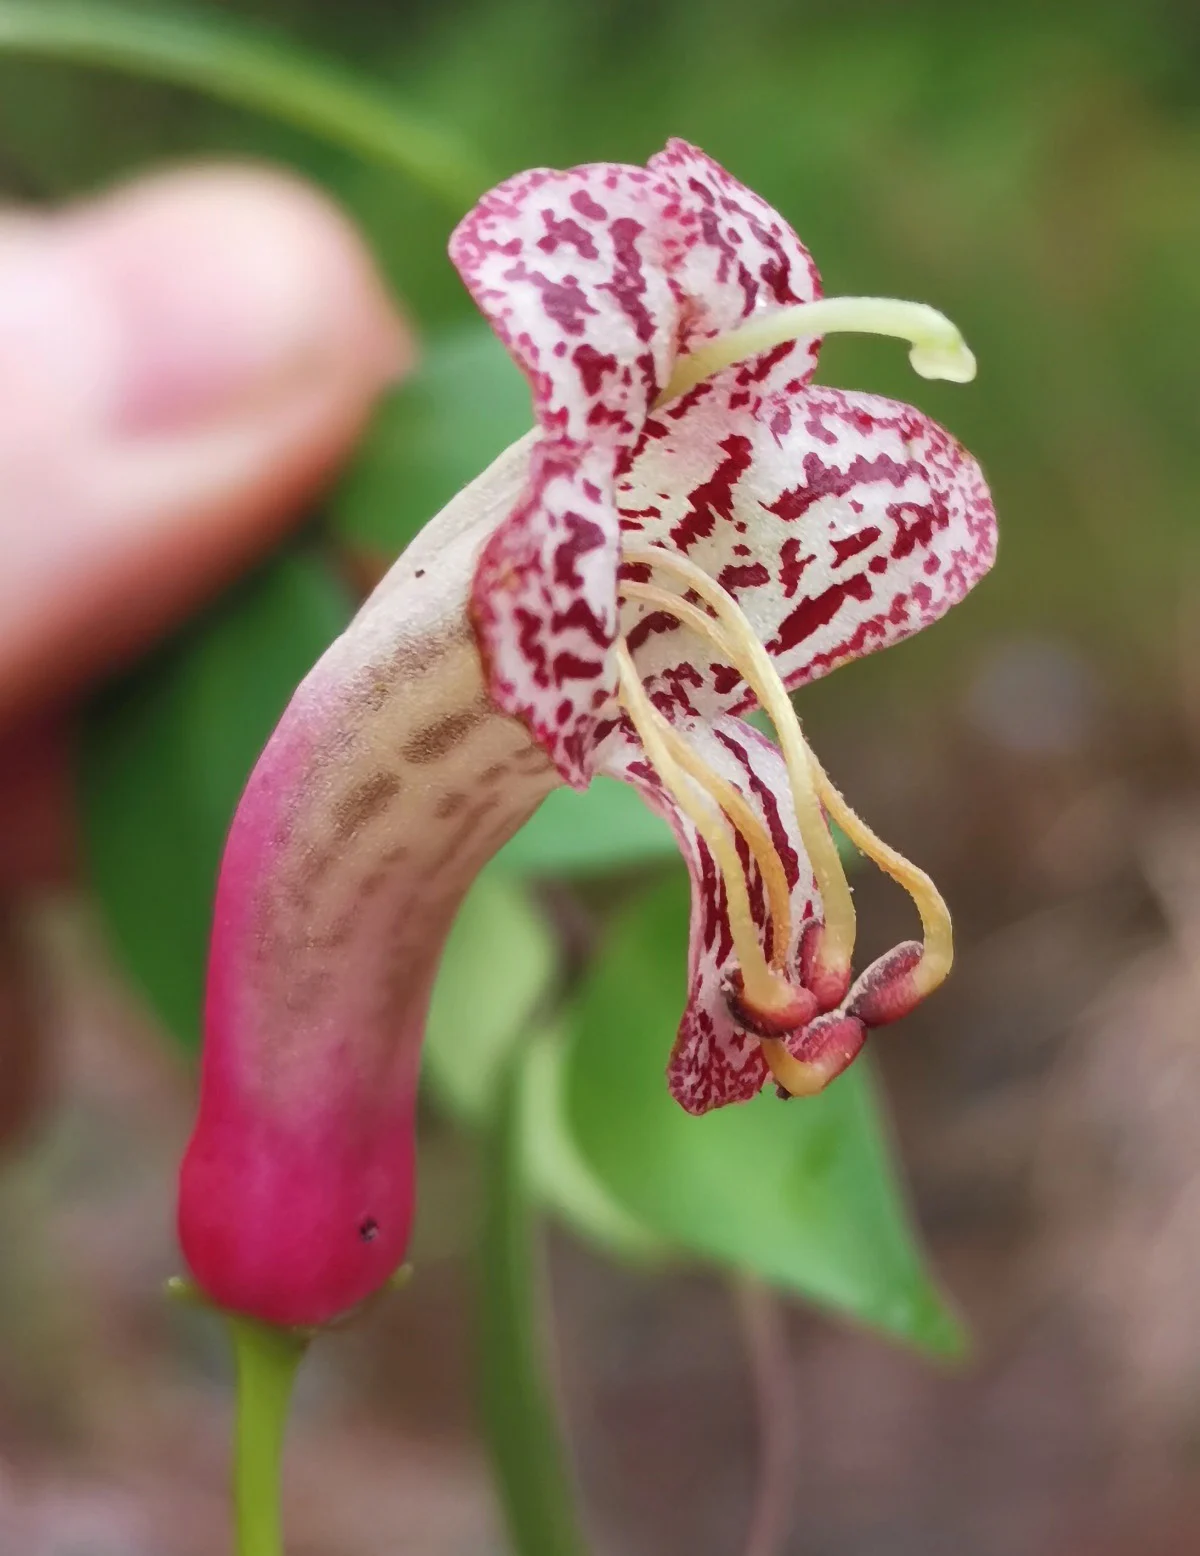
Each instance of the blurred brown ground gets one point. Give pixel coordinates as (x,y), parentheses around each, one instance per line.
(1045,1112)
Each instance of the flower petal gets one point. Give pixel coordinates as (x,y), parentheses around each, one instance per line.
(543,601)
(715,1061)
(740,255)
(595,279)
(571,271)
(840,522)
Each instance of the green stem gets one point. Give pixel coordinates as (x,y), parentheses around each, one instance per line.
(519,1421)
(253,70)
(267,1360)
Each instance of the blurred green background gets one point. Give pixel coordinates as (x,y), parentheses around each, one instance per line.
(1033,170)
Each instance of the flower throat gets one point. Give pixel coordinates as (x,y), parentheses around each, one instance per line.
(766,996)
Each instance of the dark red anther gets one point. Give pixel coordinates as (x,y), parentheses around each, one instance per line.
(772,1023)
(828,986)
(829,1043)
(888,990)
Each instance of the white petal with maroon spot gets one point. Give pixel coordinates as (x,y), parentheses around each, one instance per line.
(594,278)
(740,258)
(543,606)
(571,270)
(841,523)
(714,1061)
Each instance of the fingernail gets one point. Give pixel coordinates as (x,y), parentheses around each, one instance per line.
(213,293)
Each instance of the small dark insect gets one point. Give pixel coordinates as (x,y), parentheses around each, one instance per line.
(368,1230)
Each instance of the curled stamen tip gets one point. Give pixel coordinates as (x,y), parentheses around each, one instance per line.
(824,967)
(806,1064)
(889,988)
(952,360)
(796,1009)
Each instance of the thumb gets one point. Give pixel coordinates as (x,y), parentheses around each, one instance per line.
(181,364)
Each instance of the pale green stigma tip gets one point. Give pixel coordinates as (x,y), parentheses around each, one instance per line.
(938,349)
(954,361)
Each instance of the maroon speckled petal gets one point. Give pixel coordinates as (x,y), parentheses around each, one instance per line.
(840,522)
(571,270)
(740,257)
(595,279)
(714,1060)
(543,603)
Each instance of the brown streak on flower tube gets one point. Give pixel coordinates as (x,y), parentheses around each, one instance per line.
(406,967)
(531,760)
(365,801)
(306,992)
(338,933)
(372,883)
(374,695)
(436,740)
(463,831)
(414,661)
(310,871)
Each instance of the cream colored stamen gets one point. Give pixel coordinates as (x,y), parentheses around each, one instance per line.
(742,818)
(766,855)
(938,349)
(762,985)
(797,1078)
(938,955)
(738,642)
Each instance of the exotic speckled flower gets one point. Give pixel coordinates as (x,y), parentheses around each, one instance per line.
(691,530)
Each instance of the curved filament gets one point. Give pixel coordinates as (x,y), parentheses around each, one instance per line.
(938,953)
(738,641)
(763,985)
(937,932)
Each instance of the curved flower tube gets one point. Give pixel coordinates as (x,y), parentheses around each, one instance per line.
(692,530)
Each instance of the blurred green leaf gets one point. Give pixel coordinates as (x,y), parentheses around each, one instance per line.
(606,827)
(527,1454)
(164,757)
(464,405)
(562,1179)
(253,69)
(498,965)
(801,1194)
